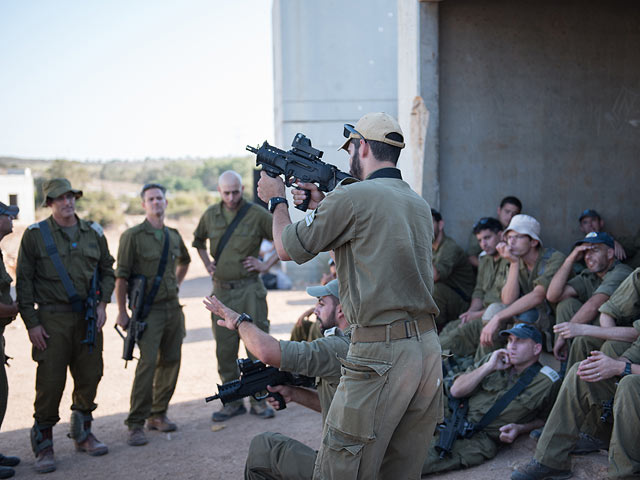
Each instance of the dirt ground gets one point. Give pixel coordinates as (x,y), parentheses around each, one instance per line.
(194,451)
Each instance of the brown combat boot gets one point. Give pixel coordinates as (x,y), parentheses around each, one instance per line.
(91,444)
(161,423)
(42,443)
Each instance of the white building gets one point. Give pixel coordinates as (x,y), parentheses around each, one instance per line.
(16,188)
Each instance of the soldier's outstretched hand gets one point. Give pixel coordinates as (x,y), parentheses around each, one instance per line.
(227,316)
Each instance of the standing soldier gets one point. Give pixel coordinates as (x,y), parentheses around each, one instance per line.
(8,313)
(235,228)
(58,263)
(158,253)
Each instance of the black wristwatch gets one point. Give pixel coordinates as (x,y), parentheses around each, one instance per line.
(243,318)
(275,201)
(627,370)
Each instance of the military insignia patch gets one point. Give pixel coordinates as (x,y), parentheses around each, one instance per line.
(310,217)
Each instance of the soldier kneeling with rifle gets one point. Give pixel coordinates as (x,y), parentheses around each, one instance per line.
(505,394)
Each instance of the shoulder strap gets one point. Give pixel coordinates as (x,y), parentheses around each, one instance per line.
(543,261)
(52,251)
(525,379)
(158,278)
(232,226)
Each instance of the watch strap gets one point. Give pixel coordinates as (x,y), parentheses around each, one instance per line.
(274,201)
(243,318)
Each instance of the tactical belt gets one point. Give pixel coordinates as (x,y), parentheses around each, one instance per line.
(56,307)
(235,284)
(398,330)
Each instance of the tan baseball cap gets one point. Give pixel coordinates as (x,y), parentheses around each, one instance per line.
(525,225)
(375,126)
(55,187)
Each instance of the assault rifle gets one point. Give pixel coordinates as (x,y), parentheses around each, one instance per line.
(136,327)
(91,312)
(302,163)
(454,426)
(253,381)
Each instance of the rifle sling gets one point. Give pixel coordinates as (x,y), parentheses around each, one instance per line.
(525,379)
(148,301)
(232,226)
(77,304)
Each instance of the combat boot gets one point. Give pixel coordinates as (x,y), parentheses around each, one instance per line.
(42,444)
(80,432)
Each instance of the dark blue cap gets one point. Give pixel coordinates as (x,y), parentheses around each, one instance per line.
(597,237)
(524,330)
(589,212)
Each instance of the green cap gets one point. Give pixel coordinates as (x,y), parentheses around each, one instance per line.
(55,187)
(330,288)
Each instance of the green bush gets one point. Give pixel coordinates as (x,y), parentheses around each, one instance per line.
(101,207)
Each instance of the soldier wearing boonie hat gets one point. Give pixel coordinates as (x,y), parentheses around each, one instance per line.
(381,232)
(51,296)
(52,189)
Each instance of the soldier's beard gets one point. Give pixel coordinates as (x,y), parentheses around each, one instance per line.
(355,167)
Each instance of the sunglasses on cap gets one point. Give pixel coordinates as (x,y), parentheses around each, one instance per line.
(350,129)
(482,221)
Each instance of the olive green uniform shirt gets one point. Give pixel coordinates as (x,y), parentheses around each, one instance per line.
(473,247)
(453,266)
(245,240)
(384,259)
(535,401)
(491,277)
(317,359)
(587,284)
(624,304)
(548,263)
(5,286)
(38,281)
(140,252)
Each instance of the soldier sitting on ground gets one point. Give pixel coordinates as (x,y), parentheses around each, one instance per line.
(509,207)
(452,275)
(462,340)
(531,268)
(579,407)
(486,388)
(615,323)
(580,297)
(272,455)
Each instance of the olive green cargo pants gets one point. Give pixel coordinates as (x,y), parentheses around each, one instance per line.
(272,455)
(159,363)
(449,302)
(624,451)
(250,299)
(65,349)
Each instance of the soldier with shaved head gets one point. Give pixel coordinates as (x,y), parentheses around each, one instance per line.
(235,228)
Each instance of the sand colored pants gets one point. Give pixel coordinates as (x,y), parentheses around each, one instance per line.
(384,412)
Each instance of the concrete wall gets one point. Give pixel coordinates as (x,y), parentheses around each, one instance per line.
(333,62)
(540,99)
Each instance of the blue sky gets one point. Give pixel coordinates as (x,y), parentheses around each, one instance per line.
(89,79)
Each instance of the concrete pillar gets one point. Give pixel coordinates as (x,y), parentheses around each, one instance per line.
(418,95)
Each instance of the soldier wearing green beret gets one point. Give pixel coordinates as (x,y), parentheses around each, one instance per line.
(52,286)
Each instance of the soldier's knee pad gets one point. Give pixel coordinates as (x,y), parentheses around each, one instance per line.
(41,438)
(79,426)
